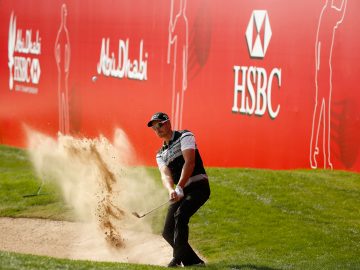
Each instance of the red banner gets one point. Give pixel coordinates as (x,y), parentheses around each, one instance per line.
(265,84)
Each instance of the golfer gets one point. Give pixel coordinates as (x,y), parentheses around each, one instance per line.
(184,176)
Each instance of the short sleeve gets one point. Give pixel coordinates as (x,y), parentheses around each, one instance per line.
(188,142)
(160,162)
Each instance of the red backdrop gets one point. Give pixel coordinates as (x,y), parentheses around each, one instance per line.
(264,84)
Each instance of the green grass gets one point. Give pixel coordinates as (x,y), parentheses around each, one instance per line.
(282,219)
(255,219)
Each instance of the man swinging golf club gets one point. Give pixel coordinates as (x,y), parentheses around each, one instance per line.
(184,176)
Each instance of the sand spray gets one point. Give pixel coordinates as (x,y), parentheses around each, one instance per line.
(97,179)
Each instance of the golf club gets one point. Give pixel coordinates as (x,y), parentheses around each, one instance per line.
(37,192)
(143,215)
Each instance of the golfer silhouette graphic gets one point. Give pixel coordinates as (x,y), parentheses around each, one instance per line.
(178,56)
(62,57)
(330,19)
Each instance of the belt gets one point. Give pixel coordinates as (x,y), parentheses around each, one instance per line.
(196,178)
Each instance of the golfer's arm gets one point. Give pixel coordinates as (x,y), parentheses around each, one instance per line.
(188,168)
(166,178)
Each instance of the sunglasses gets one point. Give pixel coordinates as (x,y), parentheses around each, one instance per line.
(158,125)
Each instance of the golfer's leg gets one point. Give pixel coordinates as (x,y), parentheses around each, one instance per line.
(168,232)
(190,257)
(189,205)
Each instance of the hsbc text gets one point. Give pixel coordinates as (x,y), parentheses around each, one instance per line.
(255,88)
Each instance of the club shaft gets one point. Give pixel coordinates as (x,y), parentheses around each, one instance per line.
(152,210)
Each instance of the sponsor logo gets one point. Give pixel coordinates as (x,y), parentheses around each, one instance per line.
(122,66)
(23,52)
(255,88)
(258,27)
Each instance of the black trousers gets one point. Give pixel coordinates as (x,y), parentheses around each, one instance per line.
(176,229)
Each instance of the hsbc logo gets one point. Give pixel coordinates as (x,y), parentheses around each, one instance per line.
(24,51)
(253,85)
(258,33)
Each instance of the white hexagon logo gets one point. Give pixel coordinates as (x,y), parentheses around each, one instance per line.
(35,71)
(258,37)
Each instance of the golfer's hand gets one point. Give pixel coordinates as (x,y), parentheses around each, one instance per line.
(173,196)
(179,192)
(176,194)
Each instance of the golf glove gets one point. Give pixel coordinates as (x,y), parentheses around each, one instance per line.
(179,192)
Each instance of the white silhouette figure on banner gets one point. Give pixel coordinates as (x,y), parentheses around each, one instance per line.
(330,19)
(62,57)
(178,49)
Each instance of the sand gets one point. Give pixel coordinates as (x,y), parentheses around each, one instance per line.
(80,241)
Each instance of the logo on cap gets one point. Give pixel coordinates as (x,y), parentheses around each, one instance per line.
(258,28)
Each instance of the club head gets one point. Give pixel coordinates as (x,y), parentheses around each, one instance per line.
(136,215)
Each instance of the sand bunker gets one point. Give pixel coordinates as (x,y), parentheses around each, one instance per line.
(72,240)
(98,180)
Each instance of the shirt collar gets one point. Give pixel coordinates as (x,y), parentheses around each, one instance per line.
(171,140)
